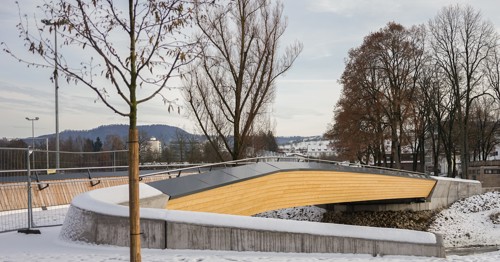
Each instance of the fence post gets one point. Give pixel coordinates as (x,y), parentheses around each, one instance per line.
(29,230)
(47,149)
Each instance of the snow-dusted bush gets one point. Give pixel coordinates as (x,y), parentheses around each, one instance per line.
(495,218)
(305,213)
(477,203)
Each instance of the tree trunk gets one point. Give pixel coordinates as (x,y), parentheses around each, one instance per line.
(133,176)
(464,154)
(454,173)
(135,229)
(451,166)
(462,140)
(436,141)
(396,149)
(422,154)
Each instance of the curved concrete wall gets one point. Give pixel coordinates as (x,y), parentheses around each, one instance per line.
(97,217)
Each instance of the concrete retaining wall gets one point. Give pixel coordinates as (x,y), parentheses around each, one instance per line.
(449,190)
(99,221)
(191,236)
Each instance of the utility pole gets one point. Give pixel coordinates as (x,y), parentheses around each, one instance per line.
(55,24)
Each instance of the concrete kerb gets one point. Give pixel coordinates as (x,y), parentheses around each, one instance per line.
(95,218)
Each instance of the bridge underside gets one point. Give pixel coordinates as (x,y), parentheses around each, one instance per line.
(256,188)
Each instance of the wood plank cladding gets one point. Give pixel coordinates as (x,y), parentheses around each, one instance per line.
(301,188)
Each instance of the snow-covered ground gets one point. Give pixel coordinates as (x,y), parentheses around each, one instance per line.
(13,220)
(48,247)
(468,222)
(473,221)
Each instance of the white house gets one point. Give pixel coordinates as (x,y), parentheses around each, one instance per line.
(153,145)
(315,147)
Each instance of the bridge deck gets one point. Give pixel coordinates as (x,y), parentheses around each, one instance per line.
(259,187)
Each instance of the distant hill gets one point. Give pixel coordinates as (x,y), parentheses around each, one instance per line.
(164,133)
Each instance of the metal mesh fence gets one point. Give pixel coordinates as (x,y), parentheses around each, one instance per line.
(40,217)
(16,159)
(27,201)
(17,211)
(13,206)
(12,160)
(45,204)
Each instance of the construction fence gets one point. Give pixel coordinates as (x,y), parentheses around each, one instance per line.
(35,192)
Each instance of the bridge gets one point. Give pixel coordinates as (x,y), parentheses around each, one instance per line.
(243,187)
(212,209)
(259,187)
(225,195)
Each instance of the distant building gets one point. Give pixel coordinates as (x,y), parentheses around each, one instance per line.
(153,145)
(487,172)
(311,147)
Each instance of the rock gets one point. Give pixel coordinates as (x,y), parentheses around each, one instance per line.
(392,219)
(495,218)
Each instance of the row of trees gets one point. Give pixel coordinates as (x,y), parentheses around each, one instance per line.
(427,88)
(183,147)
(192,149)
(70,144)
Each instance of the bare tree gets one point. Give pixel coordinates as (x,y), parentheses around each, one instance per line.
(484,127)
(492,72)
(131,49)
(233,82)
(461,42)
(438,99)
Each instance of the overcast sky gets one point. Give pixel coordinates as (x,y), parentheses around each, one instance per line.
(305,96)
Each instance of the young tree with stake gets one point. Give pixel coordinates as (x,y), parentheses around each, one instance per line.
(131,49)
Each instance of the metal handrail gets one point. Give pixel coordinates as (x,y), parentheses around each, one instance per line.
(278,158)
(198,167)
(53,151)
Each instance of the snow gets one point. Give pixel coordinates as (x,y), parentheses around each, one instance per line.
(462,216)
(470,222)
(46,247)
(456,179)
(13,220)
(106,200)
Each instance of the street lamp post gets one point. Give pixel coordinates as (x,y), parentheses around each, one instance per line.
(55,24)
(33,136)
